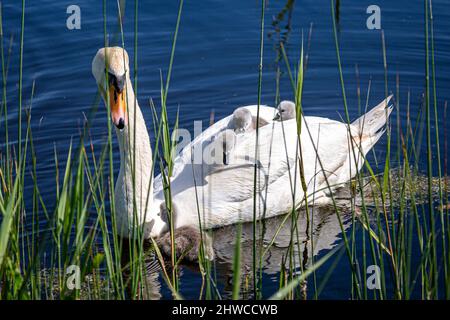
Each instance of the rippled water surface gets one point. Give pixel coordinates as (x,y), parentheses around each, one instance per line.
(216,69)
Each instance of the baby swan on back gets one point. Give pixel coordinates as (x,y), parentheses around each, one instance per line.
(243,121)
(286,111)
(188,240)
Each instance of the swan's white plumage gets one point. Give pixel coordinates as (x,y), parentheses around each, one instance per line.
(226,195)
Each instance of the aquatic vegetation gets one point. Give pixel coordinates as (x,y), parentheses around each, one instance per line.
(389,213)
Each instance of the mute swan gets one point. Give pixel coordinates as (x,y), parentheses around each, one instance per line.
(244,121)
(226,196)
(110,68)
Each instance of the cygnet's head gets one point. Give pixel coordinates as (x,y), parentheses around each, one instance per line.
(166,216)
(187,238)
(242,118)
(225,143)
(285,111)
(188,242)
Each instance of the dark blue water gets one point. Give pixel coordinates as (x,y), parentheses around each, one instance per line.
(216,67)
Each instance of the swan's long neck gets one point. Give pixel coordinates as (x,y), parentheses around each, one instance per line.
(134,186)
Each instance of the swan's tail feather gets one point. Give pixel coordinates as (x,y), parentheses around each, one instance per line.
(368,128)
(371,122)
(365,133)
(367,145)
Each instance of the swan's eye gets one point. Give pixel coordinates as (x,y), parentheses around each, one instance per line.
(111,78)
(282,111)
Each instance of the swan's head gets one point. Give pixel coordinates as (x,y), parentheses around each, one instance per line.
(110,69)
(242,118)
(226,141)
(285,111)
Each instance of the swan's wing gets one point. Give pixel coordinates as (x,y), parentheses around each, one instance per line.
(325,149)
(266,113)
(276,155)
(311,120)
(188,152)
(191,152)
(234,183)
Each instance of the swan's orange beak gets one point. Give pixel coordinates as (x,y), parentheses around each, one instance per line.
(118,106)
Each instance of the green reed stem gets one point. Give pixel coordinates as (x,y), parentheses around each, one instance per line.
(438,149)
(260,69)
(433,270)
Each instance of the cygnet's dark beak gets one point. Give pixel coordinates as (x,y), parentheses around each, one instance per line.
(225,158)
(277,117)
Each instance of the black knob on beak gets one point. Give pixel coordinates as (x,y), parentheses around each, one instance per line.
(120,82)
(117,81)
(121,124)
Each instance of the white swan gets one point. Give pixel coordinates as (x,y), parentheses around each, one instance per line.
(226,196)
(130,197)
